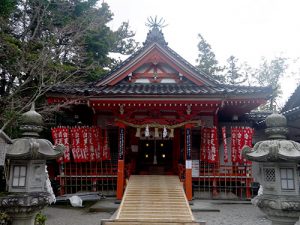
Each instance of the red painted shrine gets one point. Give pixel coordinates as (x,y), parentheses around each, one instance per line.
(155,113)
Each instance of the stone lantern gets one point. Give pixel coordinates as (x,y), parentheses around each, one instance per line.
(27,175)
(277,171)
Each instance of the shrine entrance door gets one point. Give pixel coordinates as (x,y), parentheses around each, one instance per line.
(155,157)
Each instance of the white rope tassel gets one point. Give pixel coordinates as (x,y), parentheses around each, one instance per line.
(138,132)
(51,197)
(156,134)
(147,133)
(171,135)
(165,132)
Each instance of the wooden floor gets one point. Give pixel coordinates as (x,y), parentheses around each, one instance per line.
(154,199)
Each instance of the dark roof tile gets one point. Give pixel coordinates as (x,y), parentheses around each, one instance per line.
(159,89)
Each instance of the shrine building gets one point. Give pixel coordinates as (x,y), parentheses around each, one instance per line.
(155,113)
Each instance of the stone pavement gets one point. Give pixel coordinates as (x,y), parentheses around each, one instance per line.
(212,211)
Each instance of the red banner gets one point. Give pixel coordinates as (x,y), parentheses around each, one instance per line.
(233,144)
(248,138)
(105,147)
(88,143)
(203,155)
(213,153)
(209,145)
(225,144)
(60,135)
(240,140)
(93,143)
(240,136)
(76,146)
(85,147)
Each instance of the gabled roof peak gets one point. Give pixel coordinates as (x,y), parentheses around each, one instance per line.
(155,33)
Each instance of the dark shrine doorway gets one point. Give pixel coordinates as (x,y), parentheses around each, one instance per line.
(155,157)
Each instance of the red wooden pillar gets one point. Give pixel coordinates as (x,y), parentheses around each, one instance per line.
(188,161)
(120,179)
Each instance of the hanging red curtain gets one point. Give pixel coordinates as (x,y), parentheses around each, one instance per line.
(209,151)
(76,144)
(93,143)
(213,151)
(240,136)
(225,144)
(57,139)
(84,144)
(105,147)
(248,138)
(66,143)
(99,144)
(233,144)
(203,156)
(240,144)
(60,135)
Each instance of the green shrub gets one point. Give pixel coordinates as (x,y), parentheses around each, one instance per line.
(40,219)
(4,218)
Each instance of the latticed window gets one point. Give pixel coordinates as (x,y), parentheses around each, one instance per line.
(269,175)
(287,179)
(19,176)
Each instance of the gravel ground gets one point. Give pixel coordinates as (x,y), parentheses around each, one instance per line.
(73,216)
(233,214)
(230,214)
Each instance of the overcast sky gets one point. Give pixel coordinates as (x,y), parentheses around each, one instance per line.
(247,29)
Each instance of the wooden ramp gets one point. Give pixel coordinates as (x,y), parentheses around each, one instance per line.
(154,199)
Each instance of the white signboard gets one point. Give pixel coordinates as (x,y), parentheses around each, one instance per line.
(188,164)
(195,168)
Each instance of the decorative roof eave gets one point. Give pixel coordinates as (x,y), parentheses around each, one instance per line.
(201,101)
(29,148)
(290,104)
(131,89)
(277,148)
(274,151)
(292,114)
(132,63)
(78,98)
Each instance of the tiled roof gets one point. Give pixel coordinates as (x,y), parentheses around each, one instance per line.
(291,112)
(293,101)
(187,87)
(170,51)
(125,88)
(258,116)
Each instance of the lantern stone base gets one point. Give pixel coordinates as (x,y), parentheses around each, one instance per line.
(281,210)
(22,208)
(282,220)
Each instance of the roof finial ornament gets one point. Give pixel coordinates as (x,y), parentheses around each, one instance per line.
(155,34)
(155,23)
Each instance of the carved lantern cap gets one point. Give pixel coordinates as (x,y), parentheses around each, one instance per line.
(31,122)
(276,148)
(30,146)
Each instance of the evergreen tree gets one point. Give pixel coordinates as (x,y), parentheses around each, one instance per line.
(207,61)
(43,43)
(234,74)
(269,73)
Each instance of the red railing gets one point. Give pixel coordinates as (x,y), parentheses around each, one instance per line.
(222,182)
